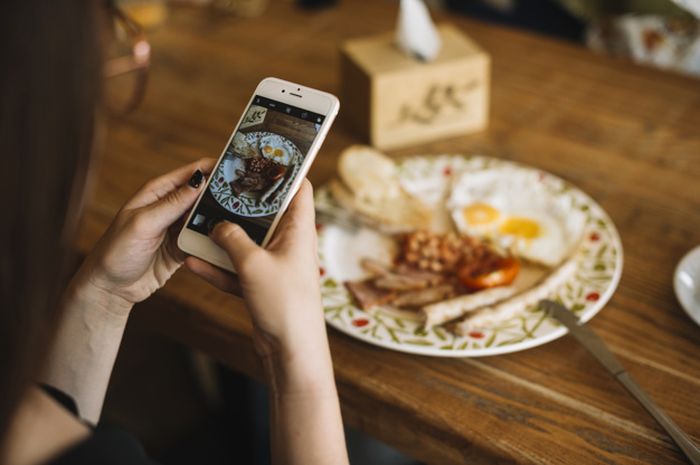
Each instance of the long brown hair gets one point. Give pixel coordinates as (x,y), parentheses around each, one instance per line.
(49,87)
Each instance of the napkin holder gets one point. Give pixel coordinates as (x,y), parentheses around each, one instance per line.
(394,100)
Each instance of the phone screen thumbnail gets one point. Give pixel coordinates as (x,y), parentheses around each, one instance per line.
(259,166)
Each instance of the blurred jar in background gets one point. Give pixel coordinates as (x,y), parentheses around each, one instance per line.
(149,14)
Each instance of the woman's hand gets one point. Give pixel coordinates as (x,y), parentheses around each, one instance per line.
(134,258)
(139,253)
(281,287)
(279,283)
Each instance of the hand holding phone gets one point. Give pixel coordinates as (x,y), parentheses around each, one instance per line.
(280,284)
(281,287)
(261,167)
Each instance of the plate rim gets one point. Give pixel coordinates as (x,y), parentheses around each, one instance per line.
(676,284)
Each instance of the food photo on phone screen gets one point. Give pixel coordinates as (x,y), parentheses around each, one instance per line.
(259,167)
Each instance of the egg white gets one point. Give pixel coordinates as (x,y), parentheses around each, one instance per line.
(496,198)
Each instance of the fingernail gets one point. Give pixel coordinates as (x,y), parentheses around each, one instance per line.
(196,179)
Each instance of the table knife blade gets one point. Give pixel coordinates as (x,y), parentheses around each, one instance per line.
(596,347)
(584,335)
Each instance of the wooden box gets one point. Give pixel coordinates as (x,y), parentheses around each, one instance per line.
(394,100)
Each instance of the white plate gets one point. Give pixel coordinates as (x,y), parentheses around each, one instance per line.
(586,292)
(686,283)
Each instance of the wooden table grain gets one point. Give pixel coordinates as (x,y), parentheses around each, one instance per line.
(628,136)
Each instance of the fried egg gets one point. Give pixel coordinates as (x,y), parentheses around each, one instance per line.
(278,154)
(272,147)
(512,207)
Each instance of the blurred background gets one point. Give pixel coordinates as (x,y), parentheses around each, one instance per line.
(187,409)
(661,33)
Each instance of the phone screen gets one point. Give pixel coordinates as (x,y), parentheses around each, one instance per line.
(259,166)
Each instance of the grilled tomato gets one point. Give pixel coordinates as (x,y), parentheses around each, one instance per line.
(499,273)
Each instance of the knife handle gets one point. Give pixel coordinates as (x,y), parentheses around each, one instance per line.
(679,437)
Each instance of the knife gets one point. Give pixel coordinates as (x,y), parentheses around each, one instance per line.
(595,345)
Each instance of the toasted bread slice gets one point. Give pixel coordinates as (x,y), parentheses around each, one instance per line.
(369,174)
(369,185)
(394,214)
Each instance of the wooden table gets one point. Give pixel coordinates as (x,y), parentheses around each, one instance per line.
(628,136)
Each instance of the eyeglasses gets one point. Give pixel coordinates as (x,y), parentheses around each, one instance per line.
(126,72)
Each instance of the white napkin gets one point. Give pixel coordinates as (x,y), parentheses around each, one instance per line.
(416,34)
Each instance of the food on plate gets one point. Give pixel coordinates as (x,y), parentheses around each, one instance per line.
(512,208)
(476,264)
(498,272)
(490,315)
(418,298)
(367,295)
(369,185)
(425,271)
(271,191)
(447,310)
(243,148)
(385,283)
(445,277)
(277,153)
(427,251)
(275,148)
(374,267)
(510,239)
(259,174)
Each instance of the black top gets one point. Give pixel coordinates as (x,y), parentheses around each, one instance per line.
(105,446)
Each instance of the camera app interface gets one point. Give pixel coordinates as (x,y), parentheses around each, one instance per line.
(264,157)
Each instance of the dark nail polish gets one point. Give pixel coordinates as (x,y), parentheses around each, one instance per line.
(196,179)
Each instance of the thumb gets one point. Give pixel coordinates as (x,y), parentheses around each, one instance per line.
(235,242)
(298,223)
(173,205)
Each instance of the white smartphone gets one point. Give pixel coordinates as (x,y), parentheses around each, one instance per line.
(262,166)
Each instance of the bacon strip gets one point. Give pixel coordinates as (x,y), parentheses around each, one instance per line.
(374,267)
(423,296)
(367,295)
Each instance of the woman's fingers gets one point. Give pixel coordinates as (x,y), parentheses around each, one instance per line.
(156,189)
(213,275)
(302,207)
(236,242)
(171,240)
(162,213)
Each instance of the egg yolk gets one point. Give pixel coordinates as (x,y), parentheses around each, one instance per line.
(480,213)
(278,152)
(521,227)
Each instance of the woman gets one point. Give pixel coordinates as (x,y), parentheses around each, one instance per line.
(65,332)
